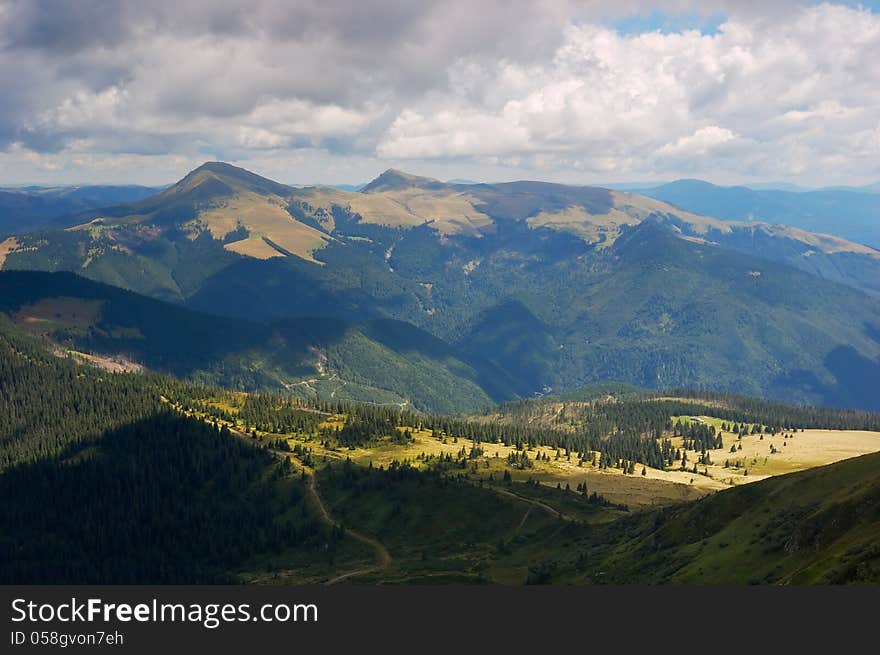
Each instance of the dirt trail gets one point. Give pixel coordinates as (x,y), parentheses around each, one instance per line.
(535,503)
(524,519)
(383,557)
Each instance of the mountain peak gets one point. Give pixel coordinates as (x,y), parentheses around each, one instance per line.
(220,167)
(220,178)
(395,180)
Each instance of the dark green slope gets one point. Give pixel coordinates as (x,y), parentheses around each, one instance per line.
(99,483)
(543,306)
(653,310)
(707,318)
(816,526)
(658,311)
(384,361)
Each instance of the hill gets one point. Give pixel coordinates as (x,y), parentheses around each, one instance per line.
(557,286)
(96,465)
(814,527)
(381,361)
(262,489)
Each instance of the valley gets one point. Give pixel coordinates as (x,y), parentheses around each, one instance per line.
(543,482)
(333,492)
(410,384)
(748,458)
(330,305)
(521,281)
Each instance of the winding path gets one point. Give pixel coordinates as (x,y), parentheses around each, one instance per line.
(382,556)
(535,503)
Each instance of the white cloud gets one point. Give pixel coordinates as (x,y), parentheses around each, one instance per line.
(759,98)
(700,142)
(544,89)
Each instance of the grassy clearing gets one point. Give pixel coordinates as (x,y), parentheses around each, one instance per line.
(647,487)
(7,246)
(478,520)
(655,488)
(47,316)
(794,451)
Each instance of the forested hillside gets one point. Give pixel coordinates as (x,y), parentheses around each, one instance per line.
(139,478)
(101,482)
(556,286)
(814,527)
(380,361)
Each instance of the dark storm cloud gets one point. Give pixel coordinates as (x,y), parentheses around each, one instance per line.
(63,28)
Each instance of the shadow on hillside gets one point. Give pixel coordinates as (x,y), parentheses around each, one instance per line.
(858,378)
(162,500)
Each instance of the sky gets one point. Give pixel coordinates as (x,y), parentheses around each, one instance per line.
(327,91)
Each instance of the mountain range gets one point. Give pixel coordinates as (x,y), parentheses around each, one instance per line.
(23,209)
(527,286)
(851,213)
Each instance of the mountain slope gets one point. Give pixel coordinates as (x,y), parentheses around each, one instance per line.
(385,361)
(596,216)
(558,286)
(664,312)
(817,526)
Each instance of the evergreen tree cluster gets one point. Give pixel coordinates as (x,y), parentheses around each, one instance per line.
(48,403)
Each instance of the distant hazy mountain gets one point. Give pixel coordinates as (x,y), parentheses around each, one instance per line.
(868,188)
(630,186)
(23,209)
(557,286)
(853,214)
(346,187)
(777,186)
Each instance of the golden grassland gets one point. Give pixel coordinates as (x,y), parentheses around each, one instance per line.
(449,212)
(646,487)
(794,451)
(7,246)
(601,229)
(656,487)
(262,216)
(254,246)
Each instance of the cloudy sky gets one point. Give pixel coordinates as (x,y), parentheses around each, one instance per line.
(335,92)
